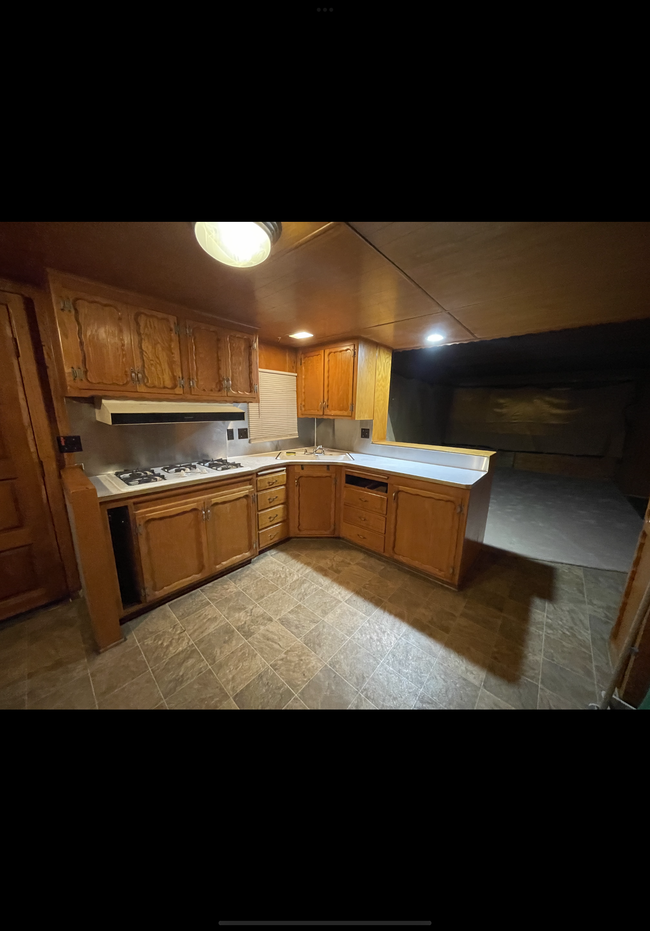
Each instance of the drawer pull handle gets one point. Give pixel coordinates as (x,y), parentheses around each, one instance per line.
(273,517)
(361,536)
(273,498)
(271,483)
(363,499)
(362,518)
(272,536)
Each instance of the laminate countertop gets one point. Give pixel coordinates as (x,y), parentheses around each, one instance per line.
(109,487)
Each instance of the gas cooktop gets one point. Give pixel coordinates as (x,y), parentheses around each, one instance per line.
(180,471)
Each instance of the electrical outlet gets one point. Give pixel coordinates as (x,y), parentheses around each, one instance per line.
(365,433)
(242,433)
(69,444)
(230,434)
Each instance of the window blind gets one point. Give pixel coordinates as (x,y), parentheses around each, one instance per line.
(275,417)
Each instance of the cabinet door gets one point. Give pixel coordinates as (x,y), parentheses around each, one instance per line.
(31,573)
(239,359)
(157,352)
(423,528)
(96,343)
(313,504)
(173,546)
(207,361)
(310,383)
(232,534)
(339,381)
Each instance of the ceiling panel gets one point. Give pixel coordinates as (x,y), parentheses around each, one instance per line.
(411,334)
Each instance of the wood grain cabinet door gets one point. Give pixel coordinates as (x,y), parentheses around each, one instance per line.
(96,343)
(240,362)
(157,352)
(423,528)
(31,571)
(232,534)
(313,502)
(310,383)
(207,362)
(173,546)
(339,381)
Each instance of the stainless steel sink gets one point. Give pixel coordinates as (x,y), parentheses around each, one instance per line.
(310,453)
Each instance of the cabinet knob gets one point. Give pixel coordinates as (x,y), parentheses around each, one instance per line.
(363,499)
(361,536)
(363,518)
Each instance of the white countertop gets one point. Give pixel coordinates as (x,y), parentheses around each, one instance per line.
(462,478)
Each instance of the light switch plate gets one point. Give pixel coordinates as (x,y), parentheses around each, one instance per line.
(365,433)
(242,433)
(230,434)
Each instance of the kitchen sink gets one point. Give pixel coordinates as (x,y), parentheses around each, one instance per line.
(310,453)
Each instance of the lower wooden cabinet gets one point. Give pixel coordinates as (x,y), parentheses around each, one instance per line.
(423,527)
(189,539)
(173,546)
(231,530)
(313,511)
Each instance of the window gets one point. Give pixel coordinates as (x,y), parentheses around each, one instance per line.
(276,415)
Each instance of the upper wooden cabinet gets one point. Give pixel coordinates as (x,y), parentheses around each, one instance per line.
(337,380)
(113,347)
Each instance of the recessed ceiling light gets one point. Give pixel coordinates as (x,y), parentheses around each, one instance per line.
(435,337)
(300,335)
(239,244)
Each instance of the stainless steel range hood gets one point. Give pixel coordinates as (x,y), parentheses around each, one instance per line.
(146,412)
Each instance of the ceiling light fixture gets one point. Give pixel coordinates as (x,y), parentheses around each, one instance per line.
(301,335)
(435,337)
(241,245)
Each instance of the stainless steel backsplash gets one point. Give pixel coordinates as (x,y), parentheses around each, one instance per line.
(111,448)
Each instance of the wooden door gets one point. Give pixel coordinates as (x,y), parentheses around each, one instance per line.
(339,381)
(423,528)
(239,359)
(313,501)
(232,534)
(31,571)
(310,383)
(157,352)
(173,545)
(96,342)
(207,361)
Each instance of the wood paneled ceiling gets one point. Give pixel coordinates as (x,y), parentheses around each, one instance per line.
(391,282)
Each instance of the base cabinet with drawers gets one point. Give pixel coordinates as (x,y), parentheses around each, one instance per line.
(272,510)
(165,542)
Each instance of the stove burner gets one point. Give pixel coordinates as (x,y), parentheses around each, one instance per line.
(220,465)
(180,467)
(139,477)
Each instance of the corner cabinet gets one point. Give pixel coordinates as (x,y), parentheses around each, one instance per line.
(423,527)
(313,501)
(111,347)
(337,380)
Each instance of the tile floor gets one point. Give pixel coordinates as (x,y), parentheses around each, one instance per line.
(321,624)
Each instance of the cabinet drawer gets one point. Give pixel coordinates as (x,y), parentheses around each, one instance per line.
(271,516)
(271,498)
(364,519)
(374,541)
(273,534)
(271,479)
(366,500)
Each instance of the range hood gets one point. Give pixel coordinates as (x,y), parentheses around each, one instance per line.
(143,412)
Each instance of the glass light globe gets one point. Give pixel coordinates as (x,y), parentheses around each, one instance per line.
(239,244)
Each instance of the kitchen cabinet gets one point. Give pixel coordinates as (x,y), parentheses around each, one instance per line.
(364,507)
(231,530)
(313,502)
(172,544)
(272,516)
(157,352)
(423,526)
(337,380)
(112,347)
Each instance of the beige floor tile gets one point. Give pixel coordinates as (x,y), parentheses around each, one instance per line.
(297,665)
(278,603)
(572,653)
(361,703)
(451,690)
(75,696)
(201,694)
(519,692)
(161,646)
(188,604)
(272,640)
(387,689)
(237,669)
(488,702)
(266,692)
(300,620)
(178,670)
(346,619)
(567,684)
(58,675)
(251,621)
(219,643)
(327,691)
(13,697)
(146,625)
(354,663)
(141,694)
(111,670)
(410,662)
(324,640)
(296,704)
(258,588)
(219,589)
(206,619)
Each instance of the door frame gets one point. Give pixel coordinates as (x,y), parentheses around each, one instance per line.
(47,412)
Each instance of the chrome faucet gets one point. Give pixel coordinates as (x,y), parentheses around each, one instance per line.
(319,451)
